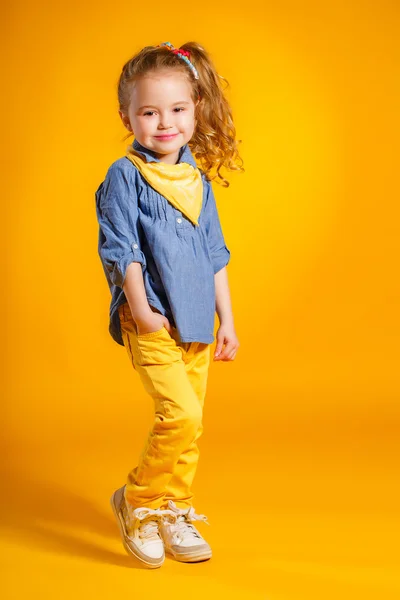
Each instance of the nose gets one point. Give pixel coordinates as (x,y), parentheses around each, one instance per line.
(164,122)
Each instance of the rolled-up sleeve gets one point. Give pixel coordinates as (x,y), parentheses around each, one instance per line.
(118,218)
(220,254)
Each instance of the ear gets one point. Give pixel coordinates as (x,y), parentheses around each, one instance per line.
(125,120)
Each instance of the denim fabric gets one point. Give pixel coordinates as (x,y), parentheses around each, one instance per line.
(178,258)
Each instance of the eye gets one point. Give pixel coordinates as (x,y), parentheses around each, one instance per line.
(150,112)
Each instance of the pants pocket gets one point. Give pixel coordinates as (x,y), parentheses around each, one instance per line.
(156,348)
(146,349)
(150,334)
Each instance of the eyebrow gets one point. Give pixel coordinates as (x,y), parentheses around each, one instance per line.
(174,104)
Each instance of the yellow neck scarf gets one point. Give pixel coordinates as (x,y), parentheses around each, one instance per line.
(181,183)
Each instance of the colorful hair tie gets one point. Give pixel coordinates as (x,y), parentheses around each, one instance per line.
(183,54)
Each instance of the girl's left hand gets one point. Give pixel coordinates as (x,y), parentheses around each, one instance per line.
(226,335)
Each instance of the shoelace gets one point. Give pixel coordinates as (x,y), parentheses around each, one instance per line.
(182,523)
(136,526)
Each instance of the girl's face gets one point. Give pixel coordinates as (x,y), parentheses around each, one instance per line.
(161,105)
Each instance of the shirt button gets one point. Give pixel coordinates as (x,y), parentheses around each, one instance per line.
(179,220)
(135,246)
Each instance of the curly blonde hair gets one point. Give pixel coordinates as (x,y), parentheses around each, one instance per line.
(213,142)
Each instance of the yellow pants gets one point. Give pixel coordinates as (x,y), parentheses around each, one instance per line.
(174,374)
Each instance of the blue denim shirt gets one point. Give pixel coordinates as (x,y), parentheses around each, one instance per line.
(179,259)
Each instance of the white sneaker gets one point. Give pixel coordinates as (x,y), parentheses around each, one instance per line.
(139,529)
(180,536)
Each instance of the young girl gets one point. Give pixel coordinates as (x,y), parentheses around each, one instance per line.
(164,257)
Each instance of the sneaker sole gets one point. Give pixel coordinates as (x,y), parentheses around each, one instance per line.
(115,502)
(189,557)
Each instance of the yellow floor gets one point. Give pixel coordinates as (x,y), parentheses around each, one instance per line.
(318,523)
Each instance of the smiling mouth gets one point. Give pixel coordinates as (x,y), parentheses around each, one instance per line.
(166,136)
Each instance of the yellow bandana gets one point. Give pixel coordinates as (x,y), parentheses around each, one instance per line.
(181,183)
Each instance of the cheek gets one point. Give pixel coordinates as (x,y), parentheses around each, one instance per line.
(147,127)
(187,121)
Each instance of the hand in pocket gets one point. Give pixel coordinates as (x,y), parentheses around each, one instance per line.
(153,324)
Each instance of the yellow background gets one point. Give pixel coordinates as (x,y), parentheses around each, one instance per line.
(299,458)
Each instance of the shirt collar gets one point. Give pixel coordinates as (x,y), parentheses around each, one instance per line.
(185,154)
